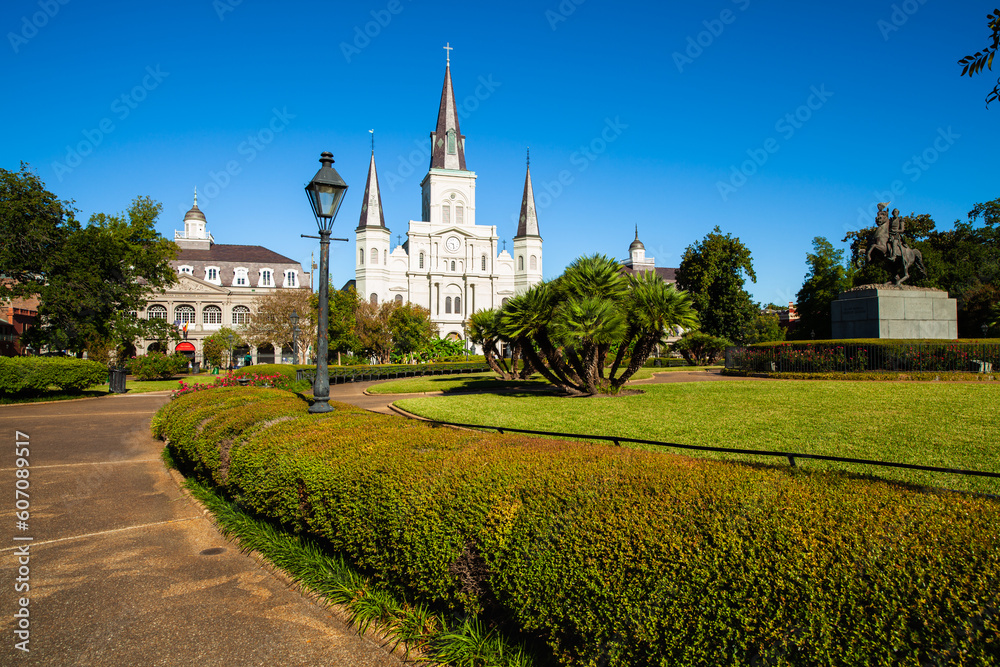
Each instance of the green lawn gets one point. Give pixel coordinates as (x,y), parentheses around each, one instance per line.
(488,382)
(939,424)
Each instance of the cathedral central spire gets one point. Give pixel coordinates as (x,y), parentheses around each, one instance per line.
(447,142)
(371,207)
(527,223)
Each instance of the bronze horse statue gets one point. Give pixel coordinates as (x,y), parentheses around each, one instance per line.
(907,257)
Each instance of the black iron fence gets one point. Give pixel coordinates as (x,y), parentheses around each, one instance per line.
(344,374)
(790,456)
(832,357)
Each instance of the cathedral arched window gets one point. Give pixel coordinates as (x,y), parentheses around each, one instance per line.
(451,142)
(398,298)
(453,265)
(447,304)
(421,261)
(520,262)
(385,257)
(504,302)
(374,255)
(459,215)
(446,214)
(458,305)
(361,256)
(373,298)
(534,263)
(484,262)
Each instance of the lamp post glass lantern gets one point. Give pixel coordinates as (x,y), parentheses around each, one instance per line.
(326,193)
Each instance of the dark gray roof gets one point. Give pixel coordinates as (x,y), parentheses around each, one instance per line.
(221,252)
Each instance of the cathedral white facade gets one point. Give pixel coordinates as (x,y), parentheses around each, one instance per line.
(448,264)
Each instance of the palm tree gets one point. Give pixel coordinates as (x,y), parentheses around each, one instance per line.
(566,327)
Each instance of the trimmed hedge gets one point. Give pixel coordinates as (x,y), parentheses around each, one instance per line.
(157,366)
(615,556)
(35,375)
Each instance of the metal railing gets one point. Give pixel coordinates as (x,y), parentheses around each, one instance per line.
(865,357)
(790,456)
(368,374)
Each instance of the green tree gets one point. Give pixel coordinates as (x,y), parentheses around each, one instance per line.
(342,321)
(373,331)
(714,271)
(411,328)
(766,328)
(271,322)
(485,330)
(979,60)
(100,276)
(826,279)
(565,328)
(218,348)
(34,225)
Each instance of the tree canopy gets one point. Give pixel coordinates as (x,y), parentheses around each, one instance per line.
(983,59)
(826,279)
(714,271)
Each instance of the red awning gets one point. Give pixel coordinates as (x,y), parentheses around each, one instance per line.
(185,347)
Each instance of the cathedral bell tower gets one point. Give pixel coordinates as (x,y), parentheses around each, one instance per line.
(372,243)
(527,243)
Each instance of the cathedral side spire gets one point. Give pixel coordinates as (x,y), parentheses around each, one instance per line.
(447,142)
(371,206)
(527,223)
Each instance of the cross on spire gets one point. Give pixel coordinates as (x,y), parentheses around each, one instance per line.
(372,132)
(529,156)
(448,48)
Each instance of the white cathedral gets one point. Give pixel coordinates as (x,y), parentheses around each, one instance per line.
(448,264)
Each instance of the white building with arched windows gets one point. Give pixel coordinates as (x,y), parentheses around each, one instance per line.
(216,287)
(448,264)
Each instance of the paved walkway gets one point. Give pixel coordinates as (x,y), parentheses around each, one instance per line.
(125,570)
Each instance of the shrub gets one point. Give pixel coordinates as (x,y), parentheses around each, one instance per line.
(157,366)
(860,356)
(35,375)
(614,556)
(700,349)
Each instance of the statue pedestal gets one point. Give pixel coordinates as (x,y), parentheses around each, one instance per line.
(891,311)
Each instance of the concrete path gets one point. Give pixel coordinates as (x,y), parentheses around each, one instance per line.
(124,569)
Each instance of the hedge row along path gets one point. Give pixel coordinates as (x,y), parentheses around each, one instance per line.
(126,570)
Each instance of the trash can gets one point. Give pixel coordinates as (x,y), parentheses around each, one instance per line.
(196,367)
(116,380)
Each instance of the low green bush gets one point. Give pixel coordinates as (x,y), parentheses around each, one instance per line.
(35,375)
(700,349)
(157,366)
(614,556)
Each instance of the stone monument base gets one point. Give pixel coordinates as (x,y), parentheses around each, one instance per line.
(894,311)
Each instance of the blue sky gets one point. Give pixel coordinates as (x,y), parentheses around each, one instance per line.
(776,121)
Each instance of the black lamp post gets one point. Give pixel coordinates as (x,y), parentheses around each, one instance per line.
(294,319)
(326,193)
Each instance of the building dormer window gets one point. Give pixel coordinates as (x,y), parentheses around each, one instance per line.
(241,277)
(266,278)
(291,278)
(156,313)
(186,269)
(212,275)
(452,142)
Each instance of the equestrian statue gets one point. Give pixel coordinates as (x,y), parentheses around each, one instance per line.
(889,241)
